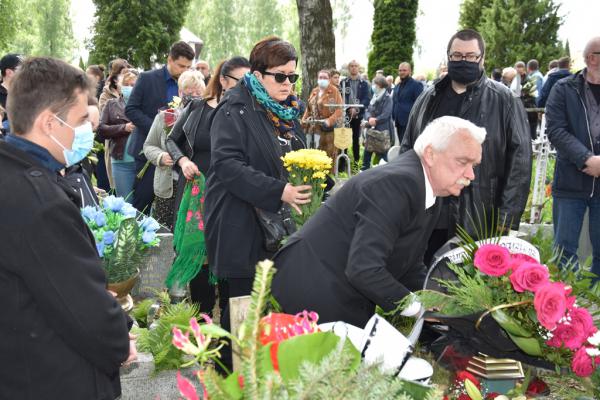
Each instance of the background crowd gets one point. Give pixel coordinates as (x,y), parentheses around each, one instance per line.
(227,128)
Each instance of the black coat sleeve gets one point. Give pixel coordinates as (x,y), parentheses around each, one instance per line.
(231,161)
(559,134)
(135,106)
(61,268)
(517,165)
(380,215)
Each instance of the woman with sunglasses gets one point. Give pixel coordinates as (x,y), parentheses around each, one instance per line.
(189,147)
(251,130)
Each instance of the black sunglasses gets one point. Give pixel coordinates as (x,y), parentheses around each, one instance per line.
(280,78)
(231,77)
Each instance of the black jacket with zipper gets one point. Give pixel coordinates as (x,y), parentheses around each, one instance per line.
(246,172)
(502,179)
(569,132)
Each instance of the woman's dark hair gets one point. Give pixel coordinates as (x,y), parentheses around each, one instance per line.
(43,83)
(97,70)
(271,52)
(214,89)
(116,68)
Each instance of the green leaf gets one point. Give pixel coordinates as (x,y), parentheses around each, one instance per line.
(529,345)
(214,330)
(308,348)
(125,257)
(509,324)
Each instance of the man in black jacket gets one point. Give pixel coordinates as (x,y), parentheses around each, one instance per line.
(564,64)
(62,335)
(365,245)
(153,90)
(573,115)
(355,91)
(502,180)
(404,97)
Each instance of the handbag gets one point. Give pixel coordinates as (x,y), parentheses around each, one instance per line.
(276,226)
(377,141)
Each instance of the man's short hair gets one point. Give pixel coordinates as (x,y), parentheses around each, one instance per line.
(10,61)
(181,49)
(467,35)
(533,65)
(271,52)
(553,64)
(520,64)
(43,83)
(564,62)
(439,132)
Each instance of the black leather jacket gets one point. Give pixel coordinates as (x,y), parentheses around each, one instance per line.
(502,179)
(180,142)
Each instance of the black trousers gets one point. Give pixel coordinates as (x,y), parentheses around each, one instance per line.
(204,293)
(400,132)
(143,189)
(355,125)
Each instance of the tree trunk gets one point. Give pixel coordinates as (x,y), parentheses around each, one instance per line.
(317,41)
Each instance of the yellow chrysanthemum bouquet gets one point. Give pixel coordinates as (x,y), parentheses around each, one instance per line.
(307,167)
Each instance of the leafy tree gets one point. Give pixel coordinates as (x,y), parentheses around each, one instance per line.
(7,23)
(393,34)
(140,31)
(521,30)
(37,27)
(471,13)
(317,41)
(226,33)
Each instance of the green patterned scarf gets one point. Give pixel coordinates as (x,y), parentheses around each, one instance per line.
(188,237)
(281,114)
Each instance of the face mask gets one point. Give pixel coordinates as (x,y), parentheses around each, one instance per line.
(126,92)
(323,83)
(82,143)
(463,71)
(188,98)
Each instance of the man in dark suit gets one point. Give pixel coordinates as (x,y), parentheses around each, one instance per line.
(153,90)
(356,91)
(62,335)
(404,96)
(365,246)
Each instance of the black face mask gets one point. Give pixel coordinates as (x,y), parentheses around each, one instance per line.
(188,99)
(463,71)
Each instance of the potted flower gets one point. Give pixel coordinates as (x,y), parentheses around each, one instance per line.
(122,238)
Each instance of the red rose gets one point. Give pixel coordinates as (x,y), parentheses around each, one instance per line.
(529,276)
(462,376)
(550,304)
(582,364)
(492,260)
(516,260)
(571,335)
(582,318)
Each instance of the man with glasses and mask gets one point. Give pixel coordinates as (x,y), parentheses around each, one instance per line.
(501,183)
(573,115)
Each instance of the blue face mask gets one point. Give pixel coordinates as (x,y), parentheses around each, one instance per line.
(126,92)
(82,143)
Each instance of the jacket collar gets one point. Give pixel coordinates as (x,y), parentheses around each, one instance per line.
(445,81)
(39,154)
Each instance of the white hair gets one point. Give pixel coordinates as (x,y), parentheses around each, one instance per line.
(191,79)
(439,132)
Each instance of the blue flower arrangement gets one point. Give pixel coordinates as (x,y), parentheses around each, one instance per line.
(122,237)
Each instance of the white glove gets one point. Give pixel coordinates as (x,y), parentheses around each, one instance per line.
(413,309)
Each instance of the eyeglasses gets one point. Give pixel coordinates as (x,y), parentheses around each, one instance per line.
(470,57)
(280,78)
(231,77)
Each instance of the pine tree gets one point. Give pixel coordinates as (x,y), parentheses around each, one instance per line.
(141,31)
(393,34)
(521,30)
(471,13)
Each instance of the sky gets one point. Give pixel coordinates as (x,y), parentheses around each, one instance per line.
(437,20)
